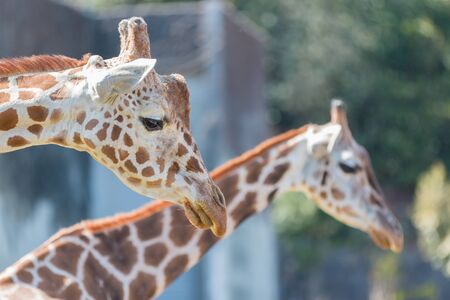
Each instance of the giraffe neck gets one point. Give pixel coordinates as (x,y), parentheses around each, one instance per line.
(37,109)
(137,255)
(253,180)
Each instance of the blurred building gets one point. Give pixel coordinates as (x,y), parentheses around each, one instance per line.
(222,56)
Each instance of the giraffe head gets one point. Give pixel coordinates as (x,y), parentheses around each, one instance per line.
(137,124)
(339,177)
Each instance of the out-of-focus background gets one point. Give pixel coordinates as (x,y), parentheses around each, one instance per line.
(256,68)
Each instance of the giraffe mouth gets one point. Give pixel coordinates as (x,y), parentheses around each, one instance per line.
(203,218)
(197,216)
(387,240)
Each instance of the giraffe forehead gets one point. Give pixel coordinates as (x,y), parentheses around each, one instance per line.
(177,95)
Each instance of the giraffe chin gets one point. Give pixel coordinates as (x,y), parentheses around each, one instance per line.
(201,219)
(386,240)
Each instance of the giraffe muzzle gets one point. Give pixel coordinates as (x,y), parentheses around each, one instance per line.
(388,236)
(209,213)
(203,218)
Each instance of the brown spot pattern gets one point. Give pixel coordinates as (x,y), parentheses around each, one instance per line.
(142,287)
(89,143)
(148,172)
(276,174)
(127,140)
(59,139)
(26,95)
(130,167)
(206,241)
(110,153)
(173,170)
(99,283)
(142,155)
(374,200)
(4,82)
(272,195)
(161,164)
(323,181)
(77,138)
(50,282)
(245,208)
(349,211)
(8,119)
(37,113)
(66,257)
(193,165)
(150,228)
(229,187)
(56,115)
(24,276)
(182,150)
(42,81)
(117,247)
(181,230)
(81,117)
(17,141)
(35,129)
(337,193)
(254,170)
(123,154)
(154,184)
(175,267)
(71,292)
(4,97)
(115,132)
(101,134)
(91,124)
(187,138)
(134,180)
(154,254)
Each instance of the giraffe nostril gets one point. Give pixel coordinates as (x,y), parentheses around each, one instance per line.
(219,198)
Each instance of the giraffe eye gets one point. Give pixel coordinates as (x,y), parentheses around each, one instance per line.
(152,124)
(349,168)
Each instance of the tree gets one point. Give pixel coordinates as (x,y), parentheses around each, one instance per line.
(430,216)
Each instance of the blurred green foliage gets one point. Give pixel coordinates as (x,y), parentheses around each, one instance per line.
(308,233)
(430,216)
(389,60)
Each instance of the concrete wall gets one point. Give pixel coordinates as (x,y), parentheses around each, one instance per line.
(43,27)
(245,265)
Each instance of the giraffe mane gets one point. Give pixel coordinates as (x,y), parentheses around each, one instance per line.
(113,221)
(39,63)
(258,150)
(156,206)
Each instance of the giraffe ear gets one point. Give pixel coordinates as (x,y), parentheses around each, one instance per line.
(321,144)
(107,84)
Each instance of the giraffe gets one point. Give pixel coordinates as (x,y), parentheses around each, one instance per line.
(137,255)
(125,115)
